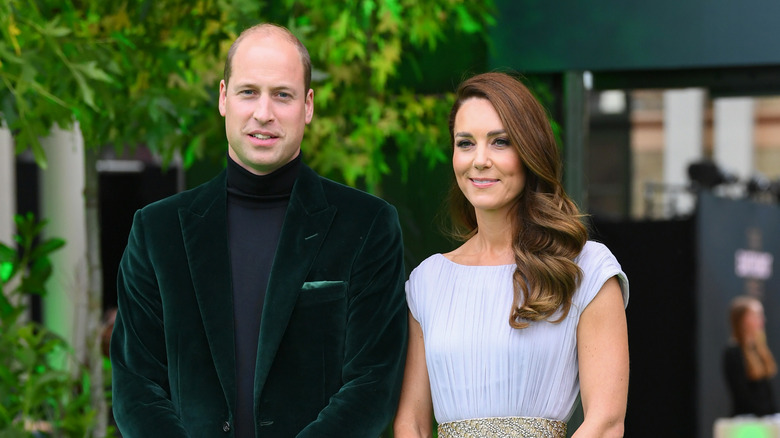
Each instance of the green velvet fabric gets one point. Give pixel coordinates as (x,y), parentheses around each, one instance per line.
(332,339)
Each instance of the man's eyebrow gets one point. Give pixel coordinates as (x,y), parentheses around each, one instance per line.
(243,85)
(288,88)
(252,86)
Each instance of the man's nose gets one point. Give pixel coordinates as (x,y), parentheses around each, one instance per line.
(263,110)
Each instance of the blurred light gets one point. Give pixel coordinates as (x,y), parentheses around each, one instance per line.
(120,166)
(612,102)
(752,431)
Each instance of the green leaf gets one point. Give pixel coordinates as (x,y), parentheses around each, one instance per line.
(33,227)
(340,26)
(87,93)
(44,92)
(52,29)
(394,7)
(120,38)
(91,70)
(38,153)
(368,8)
(44,249)
(6,271)
(26,76)
(466,21)
(26,357)
(8,55)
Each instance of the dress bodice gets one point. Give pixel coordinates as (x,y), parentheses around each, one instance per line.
(478,365)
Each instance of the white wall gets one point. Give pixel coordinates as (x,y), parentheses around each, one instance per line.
(683,140)
(7,186)
(733,137)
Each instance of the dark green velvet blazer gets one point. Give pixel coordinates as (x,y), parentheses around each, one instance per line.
(333,333)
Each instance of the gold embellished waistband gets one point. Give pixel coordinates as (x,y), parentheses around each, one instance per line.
(503,427)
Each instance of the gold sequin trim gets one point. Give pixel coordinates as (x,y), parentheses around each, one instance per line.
(503,427)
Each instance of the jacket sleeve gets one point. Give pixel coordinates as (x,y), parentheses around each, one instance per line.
(141,394)
(376,337)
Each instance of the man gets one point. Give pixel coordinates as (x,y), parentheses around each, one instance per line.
(269,301)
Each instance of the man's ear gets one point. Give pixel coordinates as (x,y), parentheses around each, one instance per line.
(222,97)
(309,104)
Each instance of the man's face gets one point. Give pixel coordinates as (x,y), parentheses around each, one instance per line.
(264,103)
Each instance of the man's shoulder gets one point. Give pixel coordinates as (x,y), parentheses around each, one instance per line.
(349,198)
(186,198)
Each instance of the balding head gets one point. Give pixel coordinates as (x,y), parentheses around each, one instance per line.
(271,29)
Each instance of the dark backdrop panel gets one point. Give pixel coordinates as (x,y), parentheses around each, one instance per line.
(27,202)
(121,194)
(608,165)
(725,228)
(555,36)
(658,258)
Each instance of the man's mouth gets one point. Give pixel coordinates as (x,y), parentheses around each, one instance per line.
(261,136)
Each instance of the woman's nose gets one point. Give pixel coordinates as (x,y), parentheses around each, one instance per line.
(481,157)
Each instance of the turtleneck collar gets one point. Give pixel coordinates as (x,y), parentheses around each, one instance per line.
(274,186)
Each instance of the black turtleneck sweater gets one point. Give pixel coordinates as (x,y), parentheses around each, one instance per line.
(256,205)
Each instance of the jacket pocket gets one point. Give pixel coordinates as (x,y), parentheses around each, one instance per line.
(319,292)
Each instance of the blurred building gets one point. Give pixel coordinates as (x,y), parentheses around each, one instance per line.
(637,117)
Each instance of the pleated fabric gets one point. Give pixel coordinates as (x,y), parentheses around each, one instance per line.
(478,365)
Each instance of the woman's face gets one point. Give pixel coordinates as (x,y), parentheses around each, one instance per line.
(487,166)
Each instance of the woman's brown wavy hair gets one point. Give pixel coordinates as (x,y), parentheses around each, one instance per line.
(547,231)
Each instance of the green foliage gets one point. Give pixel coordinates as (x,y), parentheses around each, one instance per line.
(123,70)
(147,72)
(36,392)
(361,106)
(30,264)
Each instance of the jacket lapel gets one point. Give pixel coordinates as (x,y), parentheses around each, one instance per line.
(306,224)
(204,228)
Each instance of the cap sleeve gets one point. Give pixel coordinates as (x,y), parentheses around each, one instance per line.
(598,265)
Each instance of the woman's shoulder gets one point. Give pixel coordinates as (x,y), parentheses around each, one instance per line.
(431,271)
(432,263)
(423,278)
(598,264)
(594,247)
(595,254)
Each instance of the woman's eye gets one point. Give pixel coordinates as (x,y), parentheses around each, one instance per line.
(463,144)
(502,142)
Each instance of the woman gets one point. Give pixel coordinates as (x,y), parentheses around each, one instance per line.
(507,329)
(747,361)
